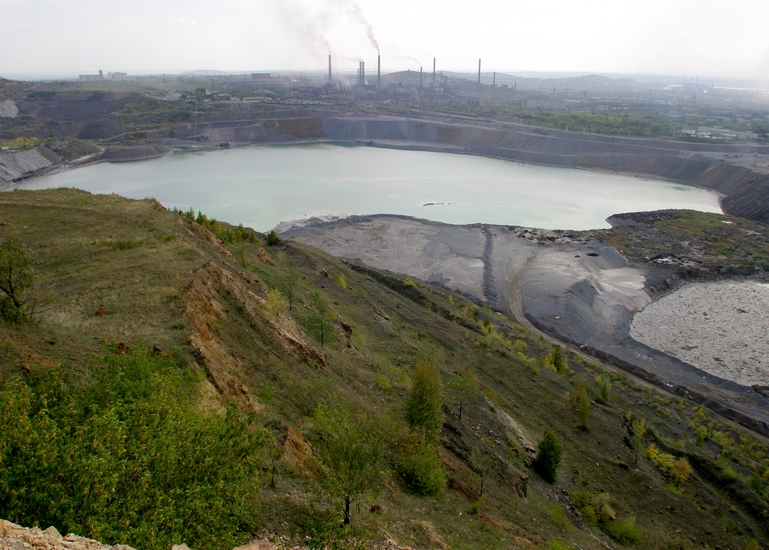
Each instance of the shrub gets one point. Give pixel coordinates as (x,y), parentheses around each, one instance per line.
(341,281)
(548,458)
(677,471)
(419,467)
(272,238)
(597,510)
(624,532)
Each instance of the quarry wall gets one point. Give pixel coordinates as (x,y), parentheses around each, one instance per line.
(746,192)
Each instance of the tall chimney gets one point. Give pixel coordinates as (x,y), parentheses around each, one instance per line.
(420,78)
(494,80)
(479,71)
(378,72)
(433,71)
(329,68)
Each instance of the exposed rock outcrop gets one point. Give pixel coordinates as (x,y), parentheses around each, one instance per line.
(8,109)
(20,164)
(211,296)
(15,537)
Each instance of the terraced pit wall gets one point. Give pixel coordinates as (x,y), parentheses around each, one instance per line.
(746,192)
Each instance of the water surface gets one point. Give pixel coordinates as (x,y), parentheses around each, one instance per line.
(262,186)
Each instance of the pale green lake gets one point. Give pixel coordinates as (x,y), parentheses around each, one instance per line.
(262,186)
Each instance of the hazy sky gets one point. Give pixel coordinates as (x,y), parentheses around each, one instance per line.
(703,37)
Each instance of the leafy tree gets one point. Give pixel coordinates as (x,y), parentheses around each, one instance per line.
(548,458)
(16,277)
(350,451)
(423,407)
(272,238)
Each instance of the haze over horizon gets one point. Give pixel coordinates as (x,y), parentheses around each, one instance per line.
(705,38)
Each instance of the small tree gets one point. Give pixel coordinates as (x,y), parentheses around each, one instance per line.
(548,458)
(423,407)
(349,449)
(289,283)
(272,238)
(238,250)
(638,430)
(583,406)
(482,462)
(320,310)
(462,389)
(559,362)
(16,276)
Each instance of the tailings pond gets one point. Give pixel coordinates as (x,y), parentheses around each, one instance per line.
(263,186)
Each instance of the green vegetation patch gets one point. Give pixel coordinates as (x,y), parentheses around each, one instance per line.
(123,455)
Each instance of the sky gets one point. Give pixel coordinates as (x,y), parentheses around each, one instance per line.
(676,37)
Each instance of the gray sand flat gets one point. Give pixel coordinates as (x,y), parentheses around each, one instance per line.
(721,328)
(446,254)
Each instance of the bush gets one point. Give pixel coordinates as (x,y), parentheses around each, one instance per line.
(272,238)
(624,532)
(126,456)
(548,458)
(419,467)
(677,471)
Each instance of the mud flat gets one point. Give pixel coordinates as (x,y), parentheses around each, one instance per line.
(721,328)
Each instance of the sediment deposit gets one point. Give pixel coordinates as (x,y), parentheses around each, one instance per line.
(721,328)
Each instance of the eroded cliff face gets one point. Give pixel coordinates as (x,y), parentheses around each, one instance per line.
(19,164)
(211,295)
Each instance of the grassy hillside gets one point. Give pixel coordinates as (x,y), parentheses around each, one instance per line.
(237,374)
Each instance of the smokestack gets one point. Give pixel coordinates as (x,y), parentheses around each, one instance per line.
(329,68)
(479,71)
(378,72)
(361,74)
(433,71)
(494,80)
(420,78)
